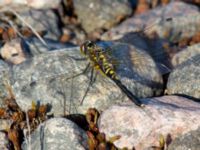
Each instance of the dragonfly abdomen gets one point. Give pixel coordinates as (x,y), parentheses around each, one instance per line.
(107,67)
(128,93)
(109,71)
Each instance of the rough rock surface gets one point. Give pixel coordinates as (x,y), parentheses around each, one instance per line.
(57,133)
(188,141)
(12,52)
(44,4)
(4,76)
(101,14)
(38,4)
(185,78)
(3,66)
(141,128)
(186,54)
(4,124)
(34,46)
(57,78)
(3,141)
(42,20)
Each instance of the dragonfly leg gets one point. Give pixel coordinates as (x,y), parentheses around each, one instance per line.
(72,107)
(92,80)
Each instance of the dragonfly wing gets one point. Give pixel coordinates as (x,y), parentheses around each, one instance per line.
(137,66)
(139,57)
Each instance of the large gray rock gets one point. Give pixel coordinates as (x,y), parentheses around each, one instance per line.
(188,141)
(169,116)
(185,78)
(95,14)
(57,78)
(57,133)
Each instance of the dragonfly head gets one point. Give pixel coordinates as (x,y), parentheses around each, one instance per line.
(87,47)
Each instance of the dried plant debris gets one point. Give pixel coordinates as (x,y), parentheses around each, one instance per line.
(163,142)
(144,5)
(11,28)
(96,139)
(22,122)
(9,33)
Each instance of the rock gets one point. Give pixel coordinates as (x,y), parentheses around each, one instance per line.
(188,141)
(101,14)
(57,133)
(42,20)
(12,52)
(169,116)
(185,54)
(35,47)
(3,141)
(3,66)
(57,78)
(142,6)
(5,124)
(178,27)
(37,4)
(14,3)
(44,4)
(185,78)
(156,20)
(4,79)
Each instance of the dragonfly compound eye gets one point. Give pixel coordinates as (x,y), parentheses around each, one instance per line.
(88,45)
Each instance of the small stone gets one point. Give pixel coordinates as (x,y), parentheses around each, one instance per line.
(44,4)
(5,124)
(12,52)
(41,20)
(101,14)
(37,4)
(57,133)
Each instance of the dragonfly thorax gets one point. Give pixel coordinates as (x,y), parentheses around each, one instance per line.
(98,58)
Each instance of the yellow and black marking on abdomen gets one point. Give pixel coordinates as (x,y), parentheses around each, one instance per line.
(100,61)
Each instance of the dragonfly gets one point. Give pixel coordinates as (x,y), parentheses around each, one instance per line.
(107,70)
(101,62)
